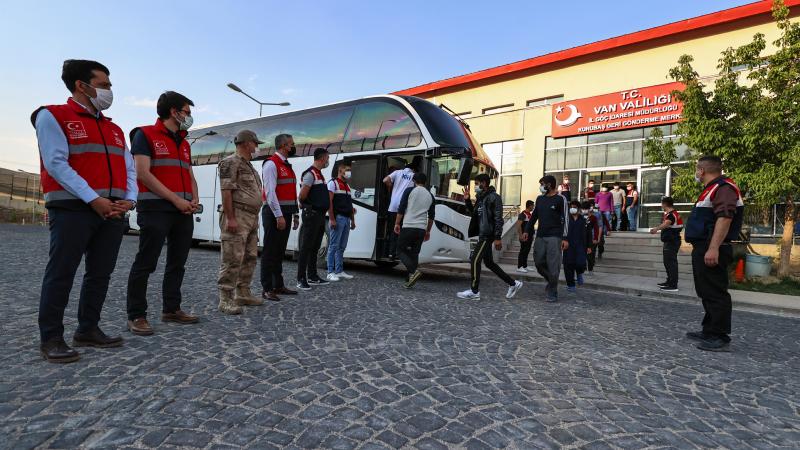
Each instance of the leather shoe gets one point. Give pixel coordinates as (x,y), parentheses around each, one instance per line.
(696,336)
(179,317)
(95,338)
(140,326)
(270,296)
(284,291)
(57,351)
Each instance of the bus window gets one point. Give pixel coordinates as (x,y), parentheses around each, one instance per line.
(210,149)
(324,128)
(363,180)
(380,126)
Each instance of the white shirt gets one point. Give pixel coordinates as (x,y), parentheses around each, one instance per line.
(401,179)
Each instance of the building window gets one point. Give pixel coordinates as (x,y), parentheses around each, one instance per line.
(545,101)
(511,189)
(507,158)
(498,109)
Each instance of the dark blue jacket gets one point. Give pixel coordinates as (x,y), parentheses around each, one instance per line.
(576,236)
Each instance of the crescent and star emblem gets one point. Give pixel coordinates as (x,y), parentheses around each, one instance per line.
(573,117)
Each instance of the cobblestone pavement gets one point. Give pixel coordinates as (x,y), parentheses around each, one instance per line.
(364,364)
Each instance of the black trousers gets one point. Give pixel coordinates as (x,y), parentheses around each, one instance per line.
(711,284)
(409,243)
(74,234)
(311,232)
(570,270)
(524,251)
(670,253)
(591,257)
(391,242)
(155,227)
(483,253)
(274,249)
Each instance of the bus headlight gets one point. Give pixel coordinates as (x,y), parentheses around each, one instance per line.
(448,230)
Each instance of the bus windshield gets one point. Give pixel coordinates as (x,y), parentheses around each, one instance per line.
(443,176)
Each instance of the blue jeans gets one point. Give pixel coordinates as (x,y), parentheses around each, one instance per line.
(607,215)
(618,213)
(337,242)
(633,214)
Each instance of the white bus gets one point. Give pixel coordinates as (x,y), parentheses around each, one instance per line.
(373,135)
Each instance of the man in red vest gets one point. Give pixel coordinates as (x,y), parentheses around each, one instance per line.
(89,183)
(280,198)
(167,200)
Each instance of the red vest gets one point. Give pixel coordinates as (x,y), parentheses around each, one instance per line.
(285,187)
(168,162)
(678,219)
(96,153)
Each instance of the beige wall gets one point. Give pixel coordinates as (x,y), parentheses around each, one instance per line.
(637,69)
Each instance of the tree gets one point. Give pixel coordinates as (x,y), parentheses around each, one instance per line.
(751,119)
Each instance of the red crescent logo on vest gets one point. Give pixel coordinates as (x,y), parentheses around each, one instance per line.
(118,139)
(284,172)
(75,129)
(160,147)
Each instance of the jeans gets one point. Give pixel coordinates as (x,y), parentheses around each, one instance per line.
(607,215)
(311,231)
(633,215)
(670,253)
(155,227)
(547,257)
(409,244)
(524,251)
(711,284)
(618,213)
(274,249)
(74,234)
(337,243)
(483,253)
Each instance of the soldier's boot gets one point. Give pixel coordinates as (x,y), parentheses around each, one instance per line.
(245,298)
(227,305)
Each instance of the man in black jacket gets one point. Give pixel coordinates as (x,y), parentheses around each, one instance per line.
(487,224)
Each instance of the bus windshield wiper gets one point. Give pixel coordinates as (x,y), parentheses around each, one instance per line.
(452,113)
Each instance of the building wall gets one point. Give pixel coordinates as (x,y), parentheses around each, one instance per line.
(644,67)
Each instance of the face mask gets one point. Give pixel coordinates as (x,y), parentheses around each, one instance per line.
(292,150)
(543,189)
(103,100)
(698,179)
(478,190)
(347,174)
(616,188)
(591,185)
(604,189)
(187,123)
(573,210)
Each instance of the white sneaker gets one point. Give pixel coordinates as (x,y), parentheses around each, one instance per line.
(512,290)
(344,275)
(522,269)
(332,277)
(469,294)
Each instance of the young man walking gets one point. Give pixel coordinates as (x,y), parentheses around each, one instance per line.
(89,183)
(342,219)
(618,197)
(487,224)
(415,217)
(632,207)
(575,255)
(552,214)
(715,221)
(593,235)
(167,200)
(315,200)
(524,246)
(670,228)
(397,182)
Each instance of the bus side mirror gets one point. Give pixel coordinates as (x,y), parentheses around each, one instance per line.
(465,172)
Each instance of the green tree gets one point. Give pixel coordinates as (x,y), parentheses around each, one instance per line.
(750,118)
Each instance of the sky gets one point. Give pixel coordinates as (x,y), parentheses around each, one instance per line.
(305,52)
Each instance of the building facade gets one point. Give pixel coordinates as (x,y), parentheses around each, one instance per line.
(586,111)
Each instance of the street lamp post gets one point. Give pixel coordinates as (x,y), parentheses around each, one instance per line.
(260,103)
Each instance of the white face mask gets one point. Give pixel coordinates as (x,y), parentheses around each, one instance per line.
(347,174)
(573,210)
(543,189)
(697,178)
(478,189)
(103,100)
(187,123)
(604,189)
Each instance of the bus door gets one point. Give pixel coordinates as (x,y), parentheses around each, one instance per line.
(391,162)
(365,184)
(206,227)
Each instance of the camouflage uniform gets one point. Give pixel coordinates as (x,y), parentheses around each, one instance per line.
(239,249)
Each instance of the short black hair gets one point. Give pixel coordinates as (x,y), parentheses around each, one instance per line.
(586,204)
(591,181)
(80,70)
(169,100)
(528,203)
(420,178)
(319,152)
(548,179)
(712,163)
(416,161)
(668,201)
(575,203)
(616,183)
(483,178)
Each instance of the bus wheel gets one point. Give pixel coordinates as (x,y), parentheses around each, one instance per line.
(386,264)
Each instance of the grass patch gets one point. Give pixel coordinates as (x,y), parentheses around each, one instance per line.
(785,286)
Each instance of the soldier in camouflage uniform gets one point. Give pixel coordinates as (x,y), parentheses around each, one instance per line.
(241,202)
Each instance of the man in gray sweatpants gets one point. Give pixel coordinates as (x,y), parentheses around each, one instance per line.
(552,213)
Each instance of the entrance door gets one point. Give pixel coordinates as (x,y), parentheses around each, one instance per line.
(366,188)
(652,187)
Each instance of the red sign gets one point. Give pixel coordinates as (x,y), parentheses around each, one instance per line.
(634,108)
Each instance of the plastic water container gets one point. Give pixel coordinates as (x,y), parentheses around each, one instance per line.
(757,266)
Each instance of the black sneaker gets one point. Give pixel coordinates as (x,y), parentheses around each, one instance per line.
(696,335)
(318,281)
(715,344)
(303,285)
(669,288)
(662,284)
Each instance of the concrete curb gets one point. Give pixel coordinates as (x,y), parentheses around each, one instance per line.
(772,304)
